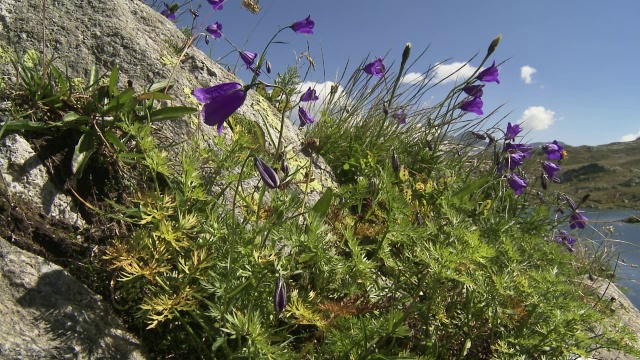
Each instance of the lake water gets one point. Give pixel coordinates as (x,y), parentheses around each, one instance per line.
(626,239)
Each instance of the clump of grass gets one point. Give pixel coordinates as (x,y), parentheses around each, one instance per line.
(433,256)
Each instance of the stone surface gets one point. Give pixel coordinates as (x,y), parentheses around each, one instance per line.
(47,314)
(27,180)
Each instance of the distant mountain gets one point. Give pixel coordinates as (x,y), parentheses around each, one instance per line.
(610,173)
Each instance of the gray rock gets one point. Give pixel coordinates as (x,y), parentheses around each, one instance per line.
(27,180)
(47,314)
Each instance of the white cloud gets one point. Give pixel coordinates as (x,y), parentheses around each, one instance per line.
(323,91)
(462,72)
(537,118)
(412,78)
(526,72)
(630,137)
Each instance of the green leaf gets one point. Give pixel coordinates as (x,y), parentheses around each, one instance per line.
(113,81)
(160,86)
(154,95)
(471,187)
(119,102)
(321,207)
(170,113)
(113,139)
(73,116)
(27,125)
(93,79)
(83,150)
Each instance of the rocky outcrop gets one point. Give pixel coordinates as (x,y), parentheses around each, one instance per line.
(47,314)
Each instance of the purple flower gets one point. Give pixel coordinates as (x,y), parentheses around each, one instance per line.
(553,150)
(564,237)
(512,131)
(248,57)
(169,12)
(220,101)
(217,4)
(489,74)
(309,95)
(473,90)
(474,105)
(304,26)
(517,184)
(516,159)
(550,169)
(577,220)
(523,148)
(400,117)
(267,173)
(280,296)
(214,29)
(375,68)
(304,117)
(255,71)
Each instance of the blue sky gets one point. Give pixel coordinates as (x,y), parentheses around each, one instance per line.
(572,65)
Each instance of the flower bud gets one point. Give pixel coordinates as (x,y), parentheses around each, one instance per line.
(284,166)
(194,13)
(267,174)
(280,296)
(206,39)
(395,163)
(268,67)
(544,180)
(406,52)
(478,135)
(494,44)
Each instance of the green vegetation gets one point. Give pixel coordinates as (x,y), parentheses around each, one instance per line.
(432,257)
(610,173)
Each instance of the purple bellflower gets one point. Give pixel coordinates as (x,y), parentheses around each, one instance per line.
(489,74)
(304,117)
(474,105)
(474,90)
(280,296)
(550,169)
(553,150)
(215,30)
(512,131)
(217,4)
(220,101)
(516,159)
(168,12)
(400,117)
(268,175)
(304,26)
(248,57)
(309,95)
(517,184)
(577,220)
(375,68)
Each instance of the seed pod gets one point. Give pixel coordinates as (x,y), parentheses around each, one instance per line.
(194,13)
(395,163)
(267,174)
(544,180)
(280,296)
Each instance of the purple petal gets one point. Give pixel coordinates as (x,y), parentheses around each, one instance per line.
(205,95)
(304,26)
(474,105)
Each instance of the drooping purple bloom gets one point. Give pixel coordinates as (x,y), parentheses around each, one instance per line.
(474,105)
(550,169)
(220,101)
(564,236)
(553,150)
(280,296)
(248,57)
(215,30)
(489,74)
(304,117)
(523,148)
(268,175)
(400,117)
(168,12)
(512,131)
(517,184)
(577,220)
(516,159)
(474,90)
(309,95)
(304,26)
(217,4)
(375,68)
